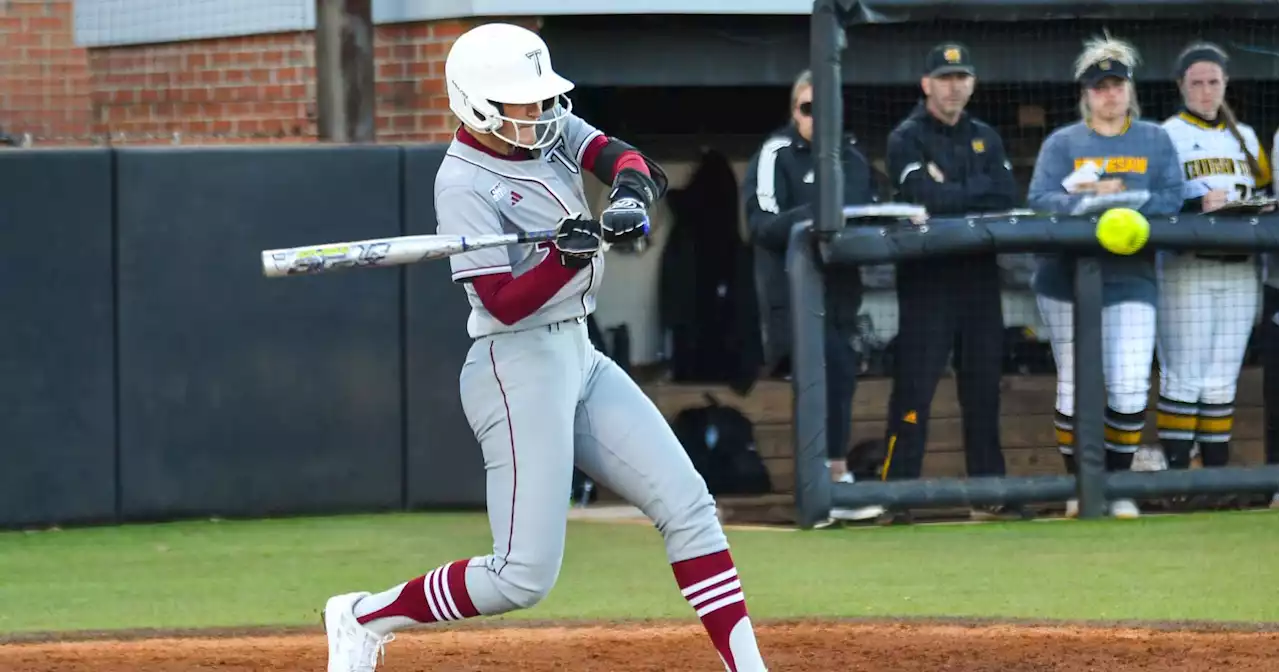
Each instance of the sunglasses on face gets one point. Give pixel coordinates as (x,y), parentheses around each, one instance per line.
(806,108)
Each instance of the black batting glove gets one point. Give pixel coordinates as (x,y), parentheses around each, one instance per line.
(627,216)
(577,241)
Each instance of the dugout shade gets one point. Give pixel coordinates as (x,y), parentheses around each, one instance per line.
(826,240)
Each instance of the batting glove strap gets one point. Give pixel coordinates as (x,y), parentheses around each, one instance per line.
(631,183)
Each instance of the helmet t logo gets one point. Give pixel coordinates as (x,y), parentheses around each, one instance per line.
(537,62)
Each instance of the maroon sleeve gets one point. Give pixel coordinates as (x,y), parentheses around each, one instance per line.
(510,299)
(628,159)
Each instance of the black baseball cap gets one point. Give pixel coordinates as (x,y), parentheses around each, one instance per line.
(948,58)
(1107,67)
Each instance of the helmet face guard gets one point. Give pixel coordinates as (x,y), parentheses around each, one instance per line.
(497,64)
(540,133)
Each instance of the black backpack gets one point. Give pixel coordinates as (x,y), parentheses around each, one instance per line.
(866,459)
(721,443)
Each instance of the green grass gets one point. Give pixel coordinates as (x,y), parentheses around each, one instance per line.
(278,572)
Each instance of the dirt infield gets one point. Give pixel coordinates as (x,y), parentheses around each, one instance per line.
(809,645)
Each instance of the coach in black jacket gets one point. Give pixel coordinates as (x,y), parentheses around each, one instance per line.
(778,191)
(944,159)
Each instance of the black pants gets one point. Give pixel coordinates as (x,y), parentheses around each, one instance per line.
(842,381)
(1270,379)
(945,306)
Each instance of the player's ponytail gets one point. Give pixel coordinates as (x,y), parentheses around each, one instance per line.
(1229,120)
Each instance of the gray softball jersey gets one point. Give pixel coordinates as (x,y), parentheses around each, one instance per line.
(479,194)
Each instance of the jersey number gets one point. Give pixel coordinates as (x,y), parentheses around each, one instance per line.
(558,153)
(1243,191)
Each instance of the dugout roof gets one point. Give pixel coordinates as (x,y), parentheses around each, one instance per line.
(1024,41)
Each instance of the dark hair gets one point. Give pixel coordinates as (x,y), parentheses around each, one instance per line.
(1200,52)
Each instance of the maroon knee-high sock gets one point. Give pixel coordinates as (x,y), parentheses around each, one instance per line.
(439,595)
(710,583)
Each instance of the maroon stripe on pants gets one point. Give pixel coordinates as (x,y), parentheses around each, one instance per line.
(511,432)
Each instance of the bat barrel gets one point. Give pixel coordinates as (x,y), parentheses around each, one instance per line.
(315,259)
(269,268)
(325,258)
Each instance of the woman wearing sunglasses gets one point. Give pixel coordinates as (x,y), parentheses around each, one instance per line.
(779,192)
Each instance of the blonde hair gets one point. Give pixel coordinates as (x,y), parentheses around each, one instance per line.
(1100,49)
(1228,115)
(804,79)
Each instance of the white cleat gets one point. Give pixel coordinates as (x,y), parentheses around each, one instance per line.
(352,647)
(859,514)
(855,515)
(1125,509)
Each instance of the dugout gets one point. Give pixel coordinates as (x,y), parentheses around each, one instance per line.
(722,82)
(151,402)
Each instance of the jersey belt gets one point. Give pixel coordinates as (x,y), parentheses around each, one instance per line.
(571,320)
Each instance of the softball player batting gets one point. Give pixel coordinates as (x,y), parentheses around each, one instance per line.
(1208,301)
(1110,151)
(539,397)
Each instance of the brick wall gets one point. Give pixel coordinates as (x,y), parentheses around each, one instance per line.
(259,88)
(44,77)
(409,69)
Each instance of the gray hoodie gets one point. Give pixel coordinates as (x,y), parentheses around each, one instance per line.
(1145,158)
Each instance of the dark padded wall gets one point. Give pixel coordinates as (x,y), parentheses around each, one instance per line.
(57,446)
(444,463)
(239,394)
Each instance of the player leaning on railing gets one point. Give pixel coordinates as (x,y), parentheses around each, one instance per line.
(1208,300)
(1110,158)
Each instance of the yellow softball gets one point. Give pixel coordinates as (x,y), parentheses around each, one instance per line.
(1122,230)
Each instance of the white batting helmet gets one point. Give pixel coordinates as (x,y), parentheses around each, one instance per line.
(500,63)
